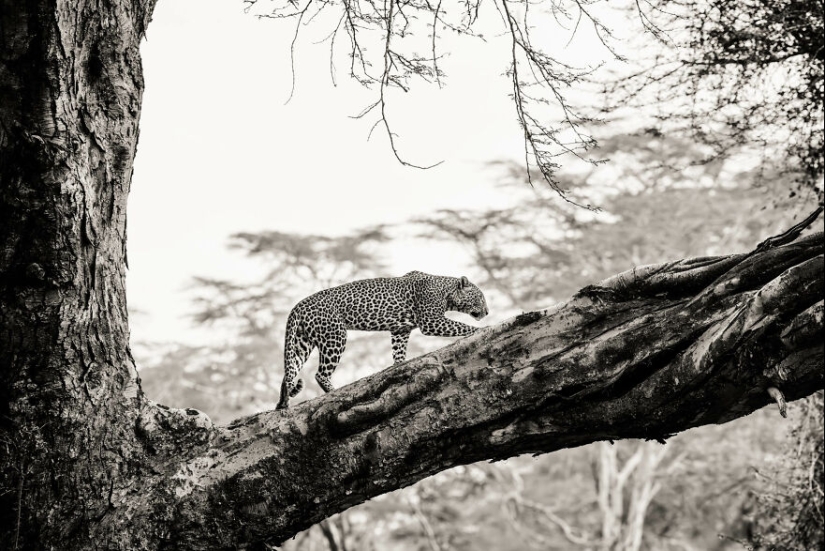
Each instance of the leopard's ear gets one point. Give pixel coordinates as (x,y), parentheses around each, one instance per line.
(463,282)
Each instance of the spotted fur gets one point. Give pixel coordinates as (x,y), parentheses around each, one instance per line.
(394,304)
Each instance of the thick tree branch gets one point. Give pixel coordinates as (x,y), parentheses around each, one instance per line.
(645,354)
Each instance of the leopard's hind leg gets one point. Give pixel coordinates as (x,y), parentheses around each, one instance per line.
(296,351)
(330,348)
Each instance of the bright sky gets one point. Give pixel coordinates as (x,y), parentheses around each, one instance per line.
(220,151)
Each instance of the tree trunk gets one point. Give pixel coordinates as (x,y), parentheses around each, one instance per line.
(70,98)
(86,461)
(624,492)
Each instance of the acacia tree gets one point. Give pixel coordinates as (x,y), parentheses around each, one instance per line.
(749,73)
(87,461)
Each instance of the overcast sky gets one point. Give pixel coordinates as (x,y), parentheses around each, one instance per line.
(220,151)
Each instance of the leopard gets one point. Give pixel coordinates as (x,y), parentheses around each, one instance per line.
(395,304)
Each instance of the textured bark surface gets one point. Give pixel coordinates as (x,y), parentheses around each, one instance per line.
(70,96)
(87,462)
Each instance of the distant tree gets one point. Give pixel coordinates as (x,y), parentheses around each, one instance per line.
(641,193)
(736,74)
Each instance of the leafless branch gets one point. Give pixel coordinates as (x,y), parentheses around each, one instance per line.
(397,23)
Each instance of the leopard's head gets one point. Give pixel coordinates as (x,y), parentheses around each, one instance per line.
(467,298)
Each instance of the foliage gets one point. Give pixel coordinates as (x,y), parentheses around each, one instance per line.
(737,73)
(293,265)
(726,74)
(790,514)
(572,248)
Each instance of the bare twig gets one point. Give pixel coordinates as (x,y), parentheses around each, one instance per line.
(425,524)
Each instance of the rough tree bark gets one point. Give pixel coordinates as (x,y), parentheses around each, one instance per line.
(70,98)
(86,461)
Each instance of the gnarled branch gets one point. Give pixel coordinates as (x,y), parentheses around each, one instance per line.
(646,354)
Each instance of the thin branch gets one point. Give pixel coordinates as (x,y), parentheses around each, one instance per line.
(425,524)
(385,80)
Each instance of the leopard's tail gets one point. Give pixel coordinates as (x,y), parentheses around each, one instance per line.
(291,367)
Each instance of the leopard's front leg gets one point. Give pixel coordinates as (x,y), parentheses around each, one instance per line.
(445,327)
(400,338)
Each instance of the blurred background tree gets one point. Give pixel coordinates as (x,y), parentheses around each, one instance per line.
(732,75)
